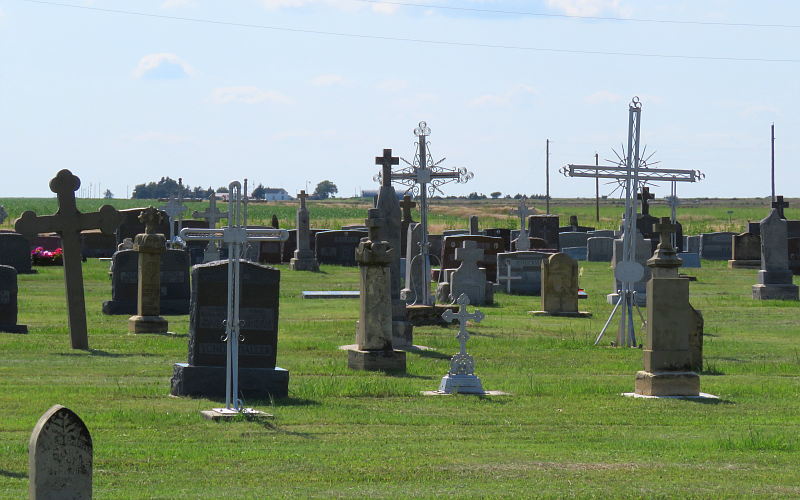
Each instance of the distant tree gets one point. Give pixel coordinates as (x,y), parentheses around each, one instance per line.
(325,189)
(108,194)
(164,188)
(518,197)
(260,192)
(222,189)
(496,194)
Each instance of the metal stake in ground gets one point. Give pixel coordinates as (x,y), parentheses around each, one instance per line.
(235,235)
(424,177)
(69,223)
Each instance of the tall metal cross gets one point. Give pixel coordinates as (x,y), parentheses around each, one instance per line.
(68,221)
(779,205)
(462,363)
(523,241)
(235,235)
(424,177)
(174,209)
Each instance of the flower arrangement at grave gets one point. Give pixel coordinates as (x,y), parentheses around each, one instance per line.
(42,257)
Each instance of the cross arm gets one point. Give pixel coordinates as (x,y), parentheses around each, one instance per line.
(621,172)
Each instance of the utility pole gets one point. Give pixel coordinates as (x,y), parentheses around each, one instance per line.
(547,176)
(773,162)
(597,188)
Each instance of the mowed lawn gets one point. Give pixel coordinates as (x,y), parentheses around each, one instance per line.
(564,431)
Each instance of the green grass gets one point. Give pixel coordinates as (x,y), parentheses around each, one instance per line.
(565,431)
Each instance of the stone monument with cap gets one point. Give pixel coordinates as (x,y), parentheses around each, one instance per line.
(150,246)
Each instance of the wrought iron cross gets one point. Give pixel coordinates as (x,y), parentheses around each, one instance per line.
(645,196)
(462,363)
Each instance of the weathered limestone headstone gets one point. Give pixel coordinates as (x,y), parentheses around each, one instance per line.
(560,287)
(373,349)
(150,247)
(69,223)
(775,277)
(670,326)
(8,301)
(746,251)
(473,225)
(469,279)
(60,457)
(304,258)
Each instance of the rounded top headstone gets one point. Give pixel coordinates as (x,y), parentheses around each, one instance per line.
(629,272)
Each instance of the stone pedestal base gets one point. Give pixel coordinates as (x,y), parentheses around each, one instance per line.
(147,324)
(378,361)
(402,334)
(775,292)
(304,265)
(209,382)
(667,383)
(14,328)
(461,384)
(744,264)
(217,414)
(578,314)
(428,315)
(640,299)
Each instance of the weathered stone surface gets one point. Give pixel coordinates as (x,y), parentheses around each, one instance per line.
(490,246)
(173,283)
(527,266)
(599,249)
(746,251)
(15,252)
(8,301)
(774,278)
(559,285)
(304,258)
(469,279)
(413,289)
(546,228)
(60,455)
(129,225)
(716,246)
(150,247)
(371,360)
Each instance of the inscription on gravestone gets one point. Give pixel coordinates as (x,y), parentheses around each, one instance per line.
(338,247)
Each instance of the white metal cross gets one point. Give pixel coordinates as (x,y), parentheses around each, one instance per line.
(462,363)
(212,215)
(523,240)
(174,209)
(235,236)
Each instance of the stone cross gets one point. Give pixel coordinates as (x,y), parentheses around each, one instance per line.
(779,205)
(523,240)
(469,254)
(173,209)
(3,214)
(462,363)
(212,214)
(665,256)
(508,278)
(645,196)
(302,195)
(151,218)
(407,205)
(69,223)
(60,457)
(386,161)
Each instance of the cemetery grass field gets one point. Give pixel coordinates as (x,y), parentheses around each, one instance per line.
(565,430)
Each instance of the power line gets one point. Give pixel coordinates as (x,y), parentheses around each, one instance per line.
(411,40)
(574,16)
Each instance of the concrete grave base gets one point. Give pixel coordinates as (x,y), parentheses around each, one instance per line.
(702,395)
(147,324)
(304,265)
(775,292)
(462,384)
(744,264)
(578,314)
(378,361)
(484,393)
(209,382)
(640,299)
(217,414)
(14,328)
(419,315)
(402,334)
(667,383)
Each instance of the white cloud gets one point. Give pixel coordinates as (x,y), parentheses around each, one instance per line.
(164,65)
(175,4)
(588,7)
(350,5)
(602,97)
(392,85)
(160,138)
(504,98)
(248,95)
(328,80)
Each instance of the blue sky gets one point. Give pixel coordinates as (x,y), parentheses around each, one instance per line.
(123,99)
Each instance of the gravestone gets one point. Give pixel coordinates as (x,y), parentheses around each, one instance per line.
(643,252)
(544,227)
(435,245)
(48,241)
(68,221)
(573,239)
(15,252)
(533,244)
(8,301)
(716,246)
(645,221)
(574,227)
(690,260)
(500,232)
(473,225)
(374,331)
(461,378)
(148,294)
(746,251)
(129,225)
(406,206)
(412,291)
(774,278)
(527,266)
(560,287)
(338,248)
(95,244)
(599,249)
(692,244)
(469,279)
(303,258)
(670,325)
(274,222)
(793,244)
(490,246)
(602,233)
(577,253)
(174,283)
(204,374)
(60,457)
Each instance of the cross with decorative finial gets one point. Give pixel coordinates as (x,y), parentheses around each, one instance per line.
(151,217)
(779,205)
(469,254)
(522,212)
(645,196)
(665,255)
(462,363)
(386,161)
(407,204)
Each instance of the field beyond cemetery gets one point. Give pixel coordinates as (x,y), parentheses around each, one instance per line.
(564,430)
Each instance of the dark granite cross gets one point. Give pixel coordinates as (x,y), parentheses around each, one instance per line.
(779,205)
(386,161)
(407,205)
(665,228)
(69,223)
(302,195)
(645,196)
(151,217)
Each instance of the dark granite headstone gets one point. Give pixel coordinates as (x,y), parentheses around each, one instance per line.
(716,246)
(338,247)
(8,301)
(15,251)
(794,255)
(49,242)
(95,244)
(290,245)
(174,283)
(130,225)
(490,246)
(544,227)
(500,233)
(527,266)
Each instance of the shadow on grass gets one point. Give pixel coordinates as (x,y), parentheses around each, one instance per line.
(106,354)
(271,426)
(711,401)
(432,354)
(407,375)
(13,475)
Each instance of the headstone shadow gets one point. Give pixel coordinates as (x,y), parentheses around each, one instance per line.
(106,354)
(13,475)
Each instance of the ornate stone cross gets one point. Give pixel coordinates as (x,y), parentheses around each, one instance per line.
(302,195)
(665,256)
(69,222)
(174,209)
(469,254)
(212,215)
(522,211)
(779,205)
(462,363)
(645,196)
